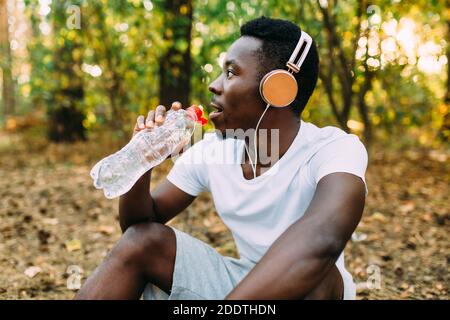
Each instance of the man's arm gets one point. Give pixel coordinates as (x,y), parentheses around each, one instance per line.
(301,257)
(166,201)
(140,205)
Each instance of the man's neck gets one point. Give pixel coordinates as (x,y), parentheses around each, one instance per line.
(279,123)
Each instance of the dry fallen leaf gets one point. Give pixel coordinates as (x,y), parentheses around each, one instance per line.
(105,229)
(378,216)
(31,272)
(219,227)
(407,207)
(50,221)
(73,245)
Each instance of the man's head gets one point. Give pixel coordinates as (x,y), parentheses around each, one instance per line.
(265,44)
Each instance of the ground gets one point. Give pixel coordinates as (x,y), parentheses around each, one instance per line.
(54,225)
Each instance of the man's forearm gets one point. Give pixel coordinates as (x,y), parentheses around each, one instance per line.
(292,267)
(137,204)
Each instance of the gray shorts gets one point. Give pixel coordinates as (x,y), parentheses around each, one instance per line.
(201,273)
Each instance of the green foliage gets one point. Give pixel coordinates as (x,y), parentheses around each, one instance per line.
(120,44)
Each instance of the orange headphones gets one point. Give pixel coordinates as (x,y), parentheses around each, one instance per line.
(278,88)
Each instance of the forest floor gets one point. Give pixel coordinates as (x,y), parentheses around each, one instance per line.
(54,224)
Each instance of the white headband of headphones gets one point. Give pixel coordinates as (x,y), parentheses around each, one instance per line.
(291,63)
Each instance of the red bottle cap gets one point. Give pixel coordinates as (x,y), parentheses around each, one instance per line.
(198,113)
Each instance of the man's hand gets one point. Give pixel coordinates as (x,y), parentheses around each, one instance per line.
(154,117)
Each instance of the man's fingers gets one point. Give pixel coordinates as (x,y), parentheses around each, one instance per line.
(176,105)
(150,121)
(155,117)
(159,114)
(140,122)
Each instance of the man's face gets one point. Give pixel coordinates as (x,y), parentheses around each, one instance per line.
(236,91)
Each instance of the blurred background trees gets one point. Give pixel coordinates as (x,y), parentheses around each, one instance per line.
(6,63)
(83,66)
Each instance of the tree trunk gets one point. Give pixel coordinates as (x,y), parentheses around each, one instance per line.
(444,131)
(338,66)
(175,64)
(6,63)
(65,112)
(362,106)
(363,89)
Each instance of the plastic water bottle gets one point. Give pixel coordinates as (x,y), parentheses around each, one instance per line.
(117,173)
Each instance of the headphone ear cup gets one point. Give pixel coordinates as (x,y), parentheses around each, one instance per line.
(278,88)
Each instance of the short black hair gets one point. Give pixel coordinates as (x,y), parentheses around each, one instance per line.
(279,39)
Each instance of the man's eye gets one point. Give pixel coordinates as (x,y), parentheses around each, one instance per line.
(229,73)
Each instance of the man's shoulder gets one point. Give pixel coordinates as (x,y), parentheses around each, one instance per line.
(331,138)
(316,133)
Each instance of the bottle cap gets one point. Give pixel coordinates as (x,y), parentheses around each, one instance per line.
(198,112)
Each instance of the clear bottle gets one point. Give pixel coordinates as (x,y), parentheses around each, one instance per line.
(117,173)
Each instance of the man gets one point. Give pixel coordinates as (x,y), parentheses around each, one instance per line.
(291,222)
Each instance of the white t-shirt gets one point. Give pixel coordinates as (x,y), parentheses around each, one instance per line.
(259,210)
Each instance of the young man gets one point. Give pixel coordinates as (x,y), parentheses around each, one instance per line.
(291,222)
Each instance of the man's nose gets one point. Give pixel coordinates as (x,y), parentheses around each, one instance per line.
(216,87)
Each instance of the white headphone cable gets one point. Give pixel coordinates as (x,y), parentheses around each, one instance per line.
(256,149)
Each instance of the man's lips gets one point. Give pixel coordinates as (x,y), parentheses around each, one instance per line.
(217,112)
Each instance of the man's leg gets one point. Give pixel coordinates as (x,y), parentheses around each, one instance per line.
(330,288)
(145,253)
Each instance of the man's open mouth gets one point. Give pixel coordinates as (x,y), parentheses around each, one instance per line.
(217,112)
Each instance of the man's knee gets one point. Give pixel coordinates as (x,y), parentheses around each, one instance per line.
(145,241)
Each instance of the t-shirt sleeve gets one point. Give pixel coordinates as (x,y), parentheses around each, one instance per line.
(346,154)
(189,172)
